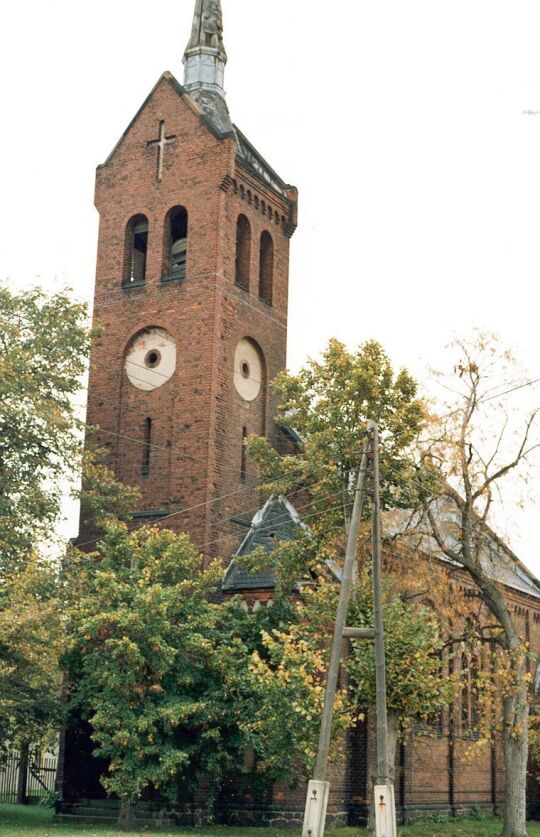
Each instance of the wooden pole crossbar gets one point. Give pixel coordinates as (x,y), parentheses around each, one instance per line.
(359,633)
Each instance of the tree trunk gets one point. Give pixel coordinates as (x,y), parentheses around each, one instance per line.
(126,818)
(393,729)
(515,740)
(22,777)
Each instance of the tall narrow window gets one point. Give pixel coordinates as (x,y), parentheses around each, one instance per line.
(465,679)
(243,461)
(137,249)
(470,708)
(243,252)
(266,268)
(176,243)
(145,470)
(474,682)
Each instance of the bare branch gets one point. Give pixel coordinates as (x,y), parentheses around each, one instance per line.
(504,469)
(498,445)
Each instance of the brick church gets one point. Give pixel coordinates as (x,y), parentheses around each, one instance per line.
(191,295)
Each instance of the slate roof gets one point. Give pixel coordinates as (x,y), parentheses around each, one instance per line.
(277,521)
(250,157)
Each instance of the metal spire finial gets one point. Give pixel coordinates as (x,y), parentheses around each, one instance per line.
(207,30)
(204,62)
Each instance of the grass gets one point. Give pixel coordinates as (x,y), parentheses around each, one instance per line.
(15,821)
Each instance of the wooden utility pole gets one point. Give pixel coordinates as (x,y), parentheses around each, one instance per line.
(318,788)
(380,663)
(384,799)
(317,797)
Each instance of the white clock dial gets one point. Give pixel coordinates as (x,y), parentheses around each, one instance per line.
(151,359)
(247,370)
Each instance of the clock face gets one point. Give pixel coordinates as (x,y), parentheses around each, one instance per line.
(150,359)
(247,370)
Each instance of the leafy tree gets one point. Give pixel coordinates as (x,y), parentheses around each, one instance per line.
(465,460)
(31,633)
(103,498)
(286,683)
(164,673)
(144,642)
(43,347)
(328,403)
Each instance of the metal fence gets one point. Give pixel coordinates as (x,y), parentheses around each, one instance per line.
(40,776)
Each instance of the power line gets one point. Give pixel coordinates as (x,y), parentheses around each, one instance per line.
(249,488)
(228,496)
(508,391)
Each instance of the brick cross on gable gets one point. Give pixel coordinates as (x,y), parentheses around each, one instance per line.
(161,142)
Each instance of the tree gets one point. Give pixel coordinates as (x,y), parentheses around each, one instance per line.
(162,671)
(144,657)
(43,347)
(328,403)
(31,634)
(465,459)
(286,682)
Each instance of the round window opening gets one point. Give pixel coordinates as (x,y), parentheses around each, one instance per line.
(248,372)
(152,358)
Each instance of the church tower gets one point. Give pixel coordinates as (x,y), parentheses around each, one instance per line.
(191,299)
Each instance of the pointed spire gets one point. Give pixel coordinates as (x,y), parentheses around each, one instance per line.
(204,62)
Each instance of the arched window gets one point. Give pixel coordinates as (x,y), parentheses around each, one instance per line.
(266,268)
(176,238)
(243,252)
(136,250)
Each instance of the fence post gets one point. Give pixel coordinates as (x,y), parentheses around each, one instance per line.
(22,778)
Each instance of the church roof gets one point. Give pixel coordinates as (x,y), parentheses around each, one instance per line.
(497,559)
(250,157)
(277,521)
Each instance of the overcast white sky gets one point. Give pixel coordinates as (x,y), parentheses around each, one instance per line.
(401,123)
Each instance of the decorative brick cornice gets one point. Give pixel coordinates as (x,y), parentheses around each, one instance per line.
(226,183)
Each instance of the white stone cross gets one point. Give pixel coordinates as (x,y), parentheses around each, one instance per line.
(162,141)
